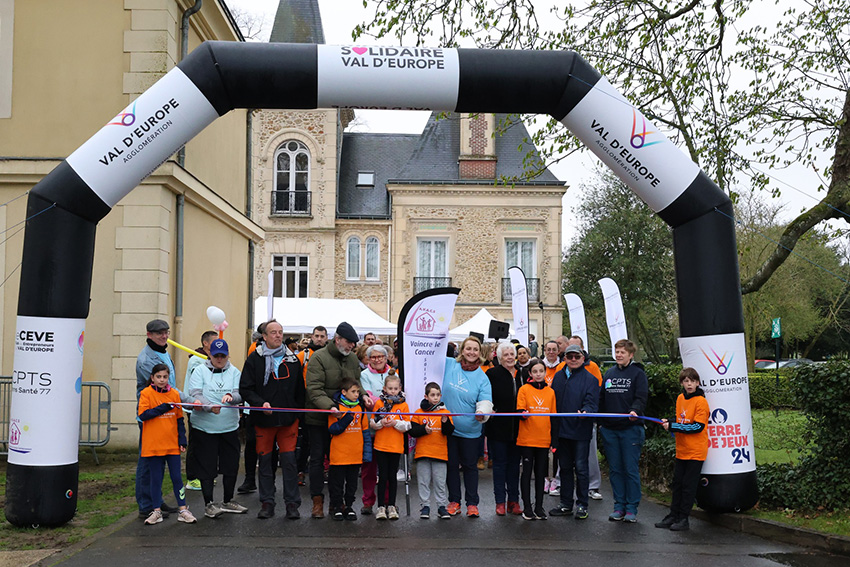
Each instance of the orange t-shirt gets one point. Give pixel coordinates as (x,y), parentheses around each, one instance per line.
(692,446)
(593,368)
(347,447)
(159,434)
(389,439)
(435,445)
(300,356)
(535,431)
(550,372)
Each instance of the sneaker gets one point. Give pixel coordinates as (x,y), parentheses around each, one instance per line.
(166,509)
(392,513)
(514,508)
(292,512)
(186,516)
(400,476)
(443,513)
(547,484)
(381,514)
(631,518)
(338,515)
(454,508)
(193,484)
(680,526)
(616,516)
(212,511)
(556,491)
(366,511)
(539,513)
(500,509)
(595,495)
(247,487)
(668,521)
(581,513)
(527,514)
(266,511)
(561,511)
(350,514)
(425,513)
(301,479)
(472,511)
(154,517)
(233,508)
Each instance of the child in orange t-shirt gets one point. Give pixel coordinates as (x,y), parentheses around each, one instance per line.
(432,450)
(692,413)
(535,438)
(348,430)
(163,439)
(389,443)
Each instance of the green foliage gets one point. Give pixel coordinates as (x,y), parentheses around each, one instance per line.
(764,393)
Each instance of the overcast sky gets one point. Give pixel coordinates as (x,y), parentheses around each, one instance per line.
(339,18)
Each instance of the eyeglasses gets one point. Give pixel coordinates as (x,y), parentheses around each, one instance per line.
(574,356)
(378,357)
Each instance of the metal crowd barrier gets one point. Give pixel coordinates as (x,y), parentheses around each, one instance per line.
(95,417)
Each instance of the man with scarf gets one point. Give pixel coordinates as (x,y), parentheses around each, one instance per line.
(155,352)
(273,379)
(214,441)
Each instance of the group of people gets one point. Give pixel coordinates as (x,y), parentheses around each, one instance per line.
(357,422)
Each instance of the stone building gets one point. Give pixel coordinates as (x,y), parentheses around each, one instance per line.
(379,217)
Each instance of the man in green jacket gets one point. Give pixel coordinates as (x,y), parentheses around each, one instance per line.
(325,373)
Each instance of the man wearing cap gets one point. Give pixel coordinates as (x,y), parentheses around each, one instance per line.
(328,367)
(592,457)
(576,391)
(154,352)
(214,442)
(272,379)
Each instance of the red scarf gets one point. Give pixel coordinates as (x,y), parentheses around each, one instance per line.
(469,366)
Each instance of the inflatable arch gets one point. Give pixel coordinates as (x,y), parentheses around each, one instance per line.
(220,76)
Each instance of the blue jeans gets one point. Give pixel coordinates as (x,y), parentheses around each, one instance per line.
(622,449)
(143,480)
(505,457)
(157,469)
(572,457)
(463,453)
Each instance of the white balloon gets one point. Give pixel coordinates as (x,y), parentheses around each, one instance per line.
(215,315)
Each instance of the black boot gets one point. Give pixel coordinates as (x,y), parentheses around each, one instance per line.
(680,525)
(668,521)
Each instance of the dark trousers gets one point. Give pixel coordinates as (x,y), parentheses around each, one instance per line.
(157,471)
(534,459)
(387,482)
(685,481)
(250,444)
(320,445)
(505,456)
(342,484)
(303,451)
(575,474)
(463,454)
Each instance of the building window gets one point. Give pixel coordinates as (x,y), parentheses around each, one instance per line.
(291,195)
(372,258)
(365,179)
(522,253)
(290,276)
(431,264)
(352,259)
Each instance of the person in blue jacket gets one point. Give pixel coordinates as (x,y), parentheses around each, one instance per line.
(466,389)
(576,391)
(625,390)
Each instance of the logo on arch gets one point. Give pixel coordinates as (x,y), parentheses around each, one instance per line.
(640,134)
(126,118)
(718,362)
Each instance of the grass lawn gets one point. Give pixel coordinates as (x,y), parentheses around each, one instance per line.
(778,439)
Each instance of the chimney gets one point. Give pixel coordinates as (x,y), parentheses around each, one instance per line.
(477,159)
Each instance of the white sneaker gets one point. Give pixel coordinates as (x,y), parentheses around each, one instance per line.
(381,514)
(392,512)
(154,517)
(546,485)
(233,508)
(594,495)
(400,476)
(186,517)
(212,511)
(555,491)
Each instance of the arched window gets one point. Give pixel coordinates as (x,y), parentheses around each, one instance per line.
(352,259)
(291,195)
(373,262)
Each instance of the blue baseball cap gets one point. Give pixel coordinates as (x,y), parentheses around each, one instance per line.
(219,346)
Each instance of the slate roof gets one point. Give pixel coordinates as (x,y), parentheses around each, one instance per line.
(436,157)
(297,21)
(382,154)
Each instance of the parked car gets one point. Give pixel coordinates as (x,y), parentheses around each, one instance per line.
(765,363)
(791,363)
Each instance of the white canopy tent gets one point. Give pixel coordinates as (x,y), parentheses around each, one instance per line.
(300,315)
(479,323)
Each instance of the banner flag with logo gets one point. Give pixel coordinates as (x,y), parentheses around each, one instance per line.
(270,300)
(423,335)
(519,303)
(578,324)
(614,314)
(721,361)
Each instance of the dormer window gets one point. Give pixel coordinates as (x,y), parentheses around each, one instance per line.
(365,178)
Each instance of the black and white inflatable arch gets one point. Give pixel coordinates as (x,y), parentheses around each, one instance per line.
(220,76)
